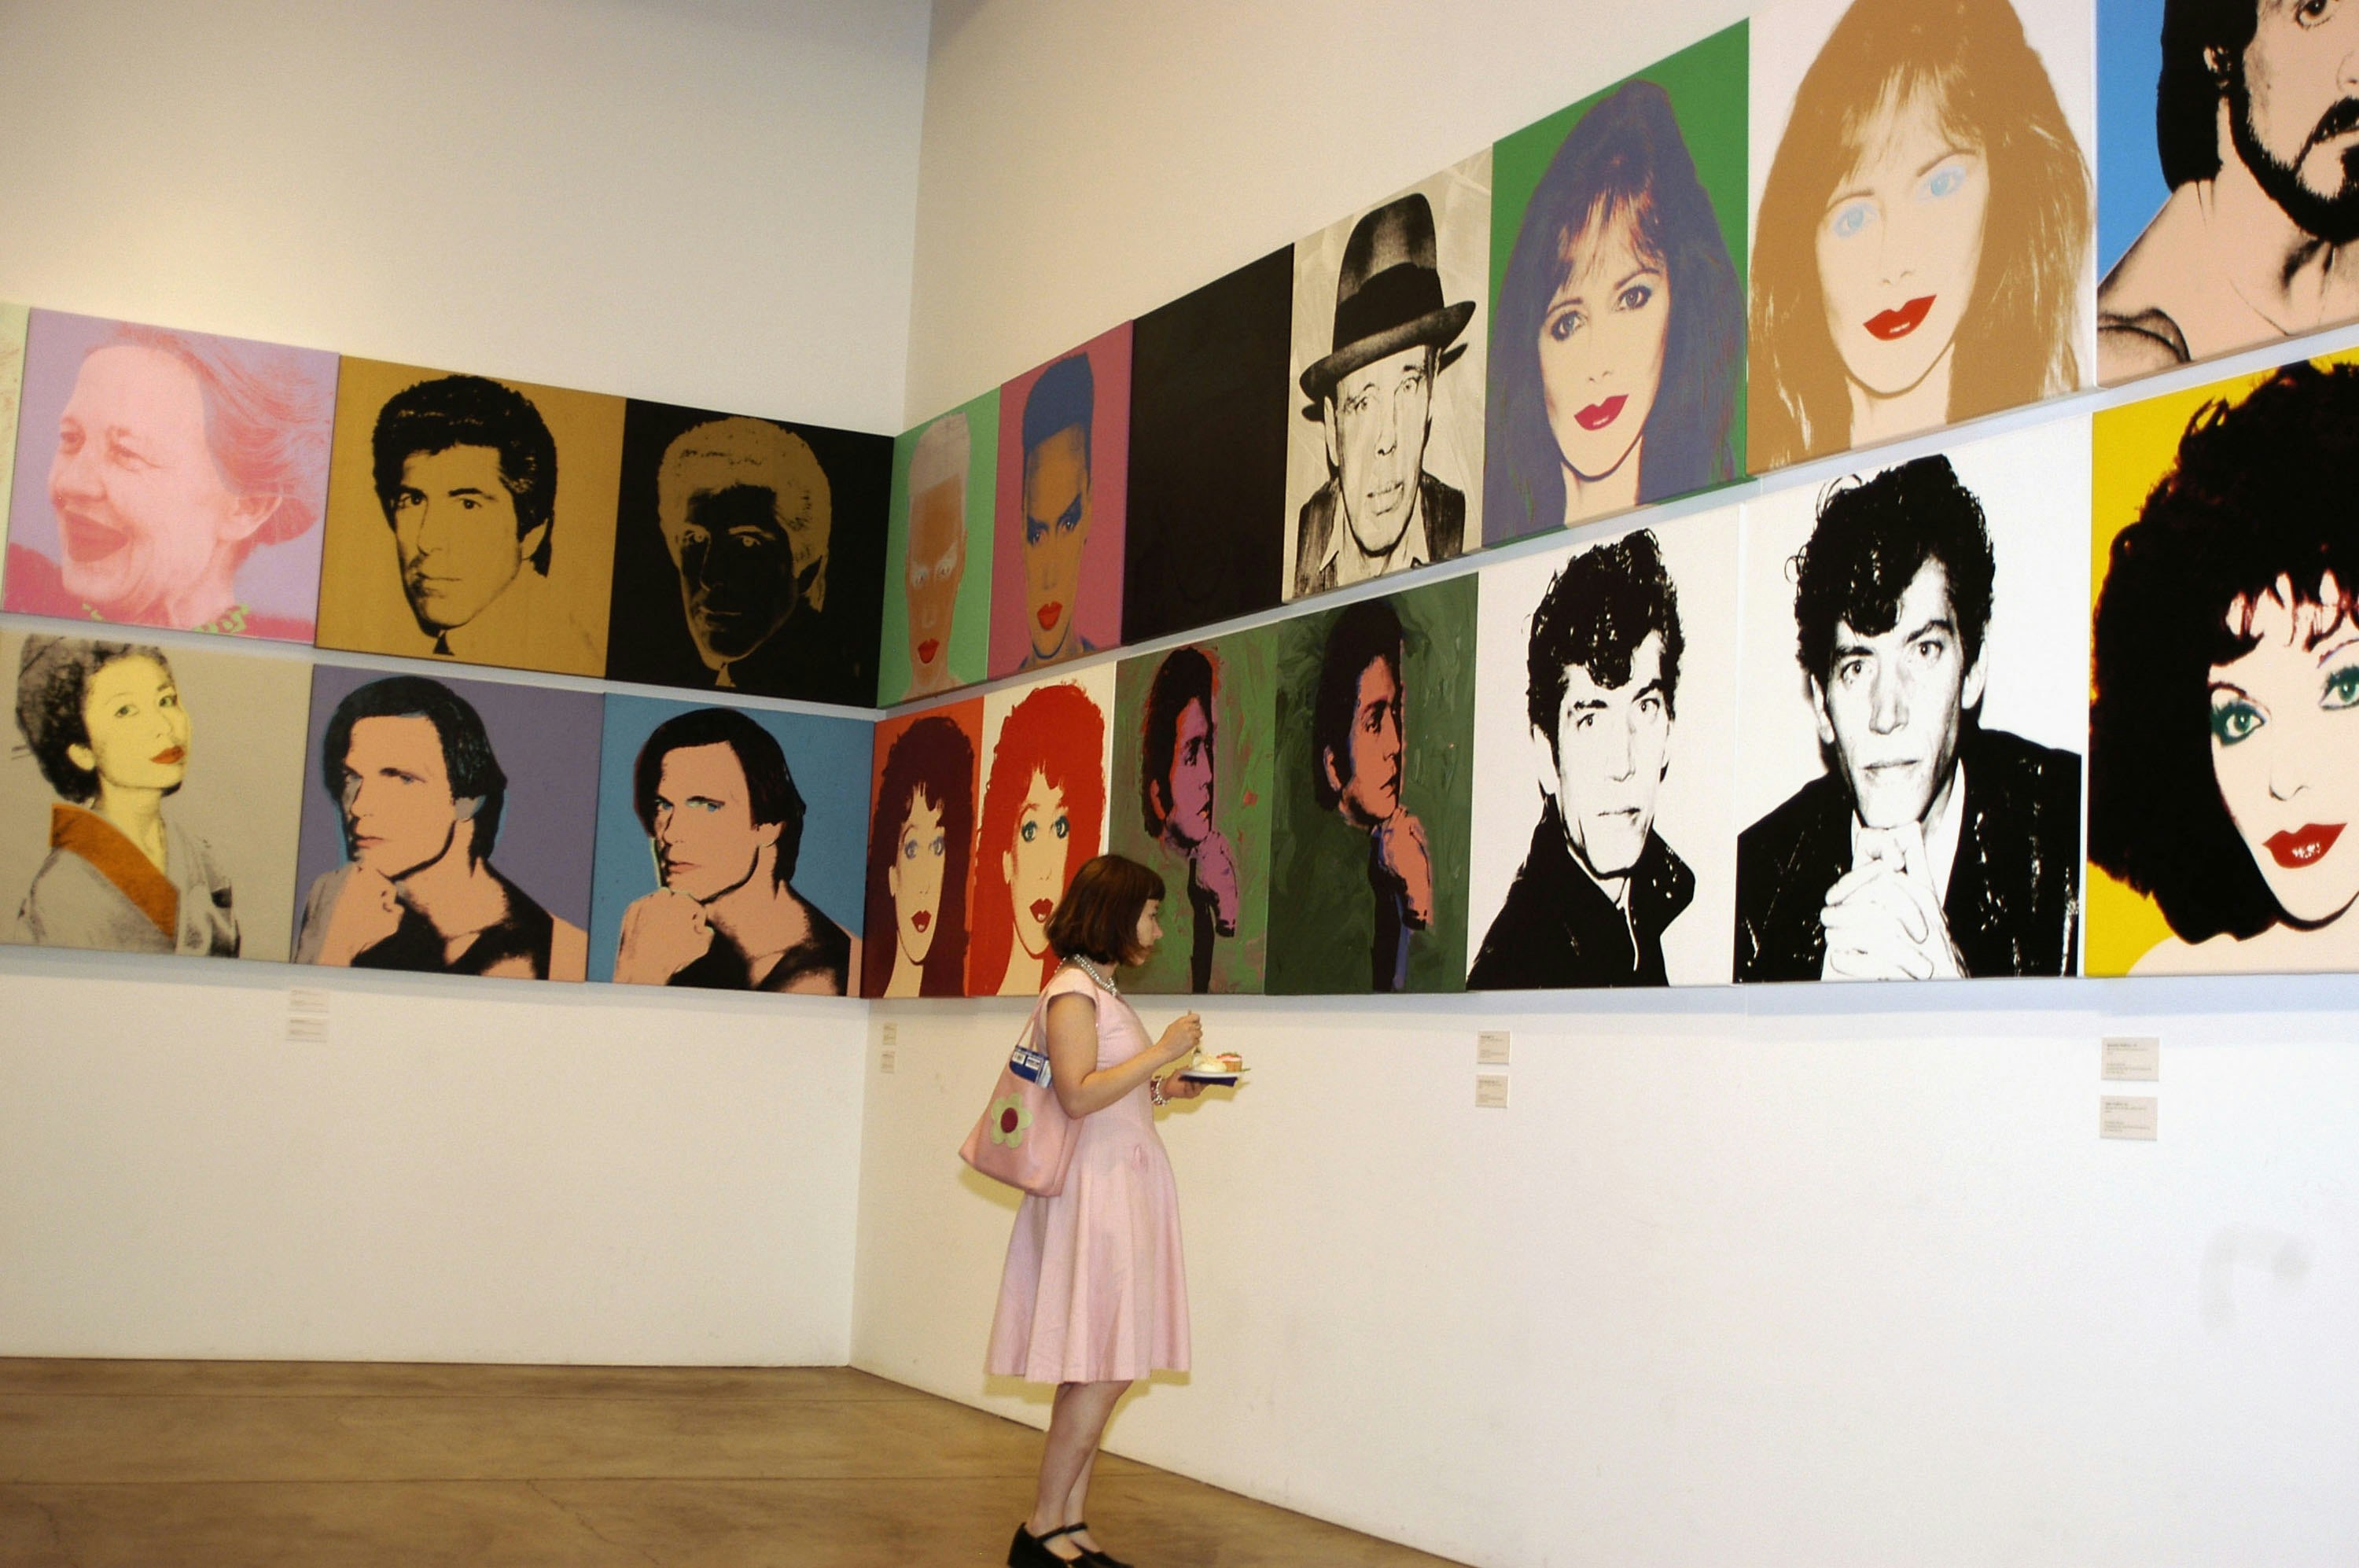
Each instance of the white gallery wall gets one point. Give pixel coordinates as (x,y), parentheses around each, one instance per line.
(1782,1276)
(709,201)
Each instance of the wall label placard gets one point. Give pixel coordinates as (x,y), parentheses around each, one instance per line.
(2131,1059)
(2127,1116)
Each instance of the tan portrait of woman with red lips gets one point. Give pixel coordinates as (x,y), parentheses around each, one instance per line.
(1921,244)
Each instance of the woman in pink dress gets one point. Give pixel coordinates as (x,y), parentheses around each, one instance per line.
(1093,1297)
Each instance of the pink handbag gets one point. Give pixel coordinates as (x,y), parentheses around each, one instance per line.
(1024,1137)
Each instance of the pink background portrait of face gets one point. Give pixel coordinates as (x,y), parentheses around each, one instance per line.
(1091,621)
(170,479)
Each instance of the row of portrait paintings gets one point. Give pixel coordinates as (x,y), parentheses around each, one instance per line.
(1838,224)
(1840,732)
(231,804)
(188,482)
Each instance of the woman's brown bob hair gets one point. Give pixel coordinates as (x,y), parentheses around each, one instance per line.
(1098,916)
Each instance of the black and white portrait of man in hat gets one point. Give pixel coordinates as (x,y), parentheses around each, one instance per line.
(1379,345)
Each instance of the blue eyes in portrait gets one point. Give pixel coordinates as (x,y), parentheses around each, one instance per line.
(1031,830)
(1945,182)
(2342,688)
(1851,219)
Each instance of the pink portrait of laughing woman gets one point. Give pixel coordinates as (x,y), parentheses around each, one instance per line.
(170,479)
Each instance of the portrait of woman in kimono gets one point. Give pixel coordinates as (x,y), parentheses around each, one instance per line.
(105,727)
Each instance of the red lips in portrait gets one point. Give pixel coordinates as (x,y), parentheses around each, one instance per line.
(1890,324)
(922,919)
(928,649)
(2294,850)
(1597,416)
(1041,910)
(170,754)
(1051,613)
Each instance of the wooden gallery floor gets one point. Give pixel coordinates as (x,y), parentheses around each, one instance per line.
(152,1464)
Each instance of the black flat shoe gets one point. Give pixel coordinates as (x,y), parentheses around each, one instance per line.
(1030,1551)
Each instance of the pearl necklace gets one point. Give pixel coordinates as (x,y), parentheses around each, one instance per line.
(1105,982)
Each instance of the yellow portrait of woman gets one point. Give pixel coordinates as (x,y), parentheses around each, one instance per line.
(2224,721)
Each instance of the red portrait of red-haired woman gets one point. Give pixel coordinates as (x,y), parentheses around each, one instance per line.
(1043,815)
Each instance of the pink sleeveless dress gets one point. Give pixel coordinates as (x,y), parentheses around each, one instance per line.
(1094,1290)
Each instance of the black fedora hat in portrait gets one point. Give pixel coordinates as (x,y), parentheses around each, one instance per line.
(1388,296)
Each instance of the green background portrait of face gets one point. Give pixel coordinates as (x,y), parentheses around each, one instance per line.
(1707,84)
(1320,946)
(1243,759)
(969,636)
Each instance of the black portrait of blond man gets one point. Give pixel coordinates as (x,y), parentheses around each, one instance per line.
(749,555)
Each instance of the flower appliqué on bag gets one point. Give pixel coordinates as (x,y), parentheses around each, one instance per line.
(1009,1117)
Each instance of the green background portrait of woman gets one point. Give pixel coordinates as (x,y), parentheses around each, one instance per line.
(1617,288)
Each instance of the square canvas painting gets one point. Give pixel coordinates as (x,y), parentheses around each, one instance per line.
(148,803)
(1617,298)
(1923,248)
(2224,724)
(448,826)
(169,479)
(1063,485)
(469,520)
(1044,815)
(729,848)
(1194,756)
(749,555)
(1384,463)
(1604,761)
(1914,709)
(922,851)
(936,608)
(1208,416)
(1376,759)
(2227,195)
